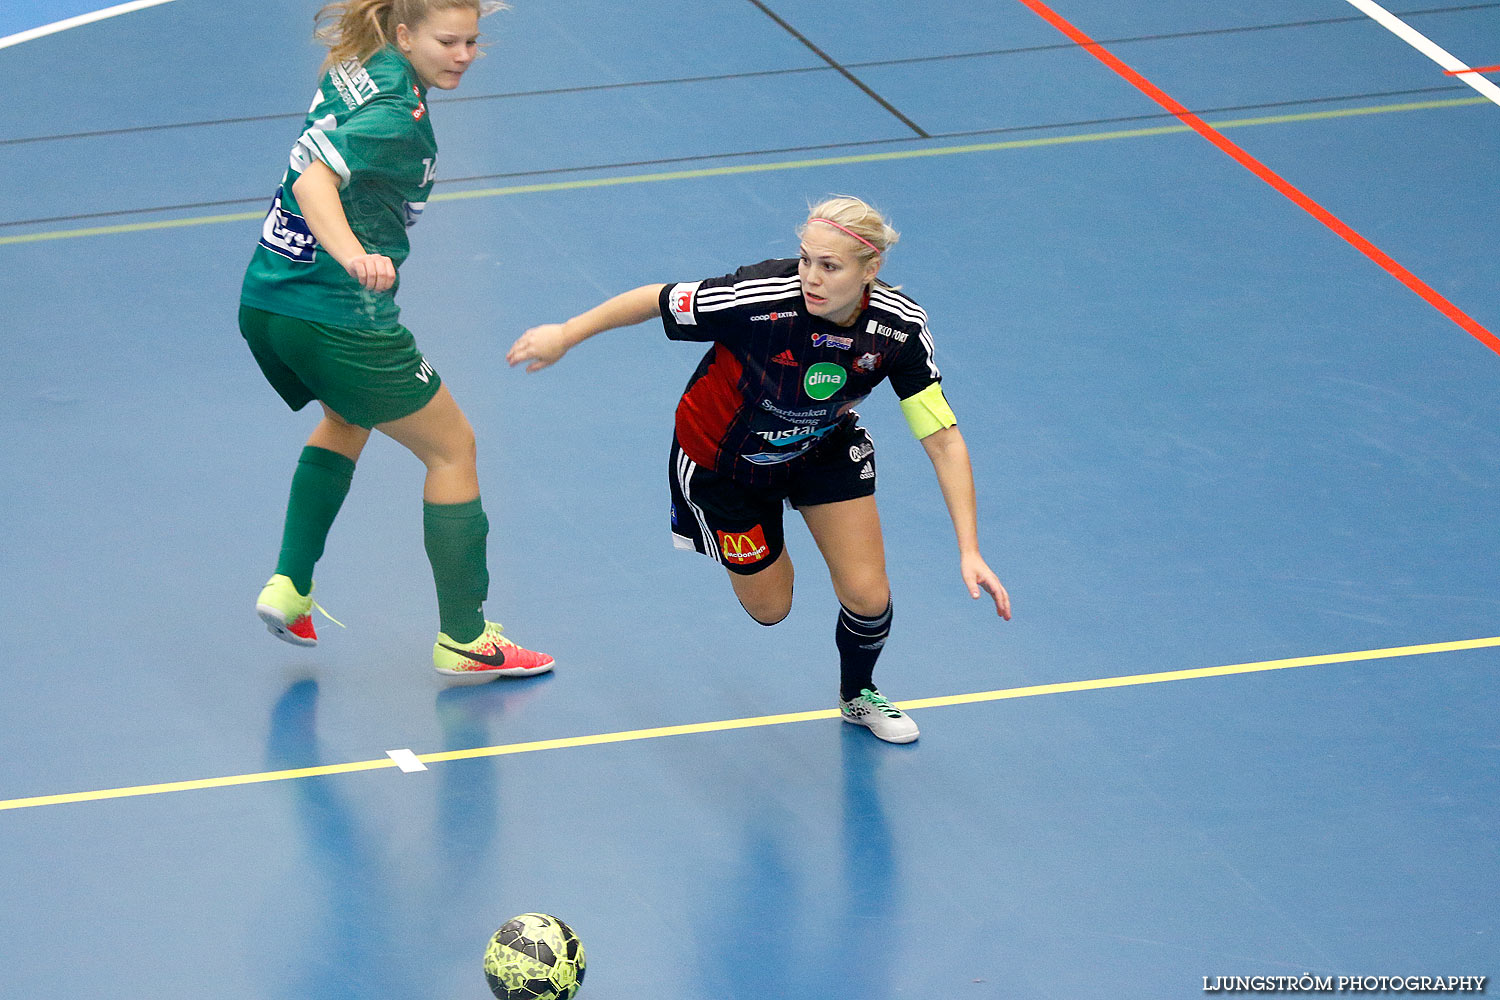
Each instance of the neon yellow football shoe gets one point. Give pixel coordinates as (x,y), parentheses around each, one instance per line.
(287,614)
(489,656)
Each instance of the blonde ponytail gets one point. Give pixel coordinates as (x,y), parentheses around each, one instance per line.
(357,29)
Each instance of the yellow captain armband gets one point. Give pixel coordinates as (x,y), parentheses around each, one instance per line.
(928,411)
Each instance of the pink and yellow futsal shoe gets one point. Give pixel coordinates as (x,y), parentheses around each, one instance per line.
(287,614)
(490,656)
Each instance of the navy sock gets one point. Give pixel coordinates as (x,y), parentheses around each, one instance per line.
(860,641)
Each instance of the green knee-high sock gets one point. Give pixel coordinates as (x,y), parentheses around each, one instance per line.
(318,489)
(454,535)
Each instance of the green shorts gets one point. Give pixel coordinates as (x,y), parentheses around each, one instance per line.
(368,377)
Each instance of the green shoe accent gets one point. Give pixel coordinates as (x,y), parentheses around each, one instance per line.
(875,712)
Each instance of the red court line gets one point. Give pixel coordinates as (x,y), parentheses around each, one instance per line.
(1476,69)
(1268,175)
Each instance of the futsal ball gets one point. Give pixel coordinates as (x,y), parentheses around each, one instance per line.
(534,957)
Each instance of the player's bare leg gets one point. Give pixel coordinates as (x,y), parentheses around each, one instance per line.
(440,436)
(848,535)
(336,434)
(454,531)
(767,595)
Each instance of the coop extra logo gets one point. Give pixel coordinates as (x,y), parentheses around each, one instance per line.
(742,547)
(824,379)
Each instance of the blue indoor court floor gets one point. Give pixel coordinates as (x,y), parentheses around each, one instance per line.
(1233,466)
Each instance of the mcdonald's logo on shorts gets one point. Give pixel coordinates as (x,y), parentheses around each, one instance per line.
(743,547)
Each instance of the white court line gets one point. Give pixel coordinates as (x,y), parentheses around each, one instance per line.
(1427,47)
(406,760)
(78,22)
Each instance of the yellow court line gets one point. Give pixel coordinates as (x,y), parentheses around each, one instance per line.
(573,742)
(778,165)
(1199,672)
(196,784)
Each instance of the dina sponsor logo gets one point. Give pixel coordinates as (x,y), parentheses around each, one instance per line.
(824,379)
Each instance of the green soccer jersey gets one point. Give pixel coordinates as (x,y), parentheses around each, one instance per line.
(369,124)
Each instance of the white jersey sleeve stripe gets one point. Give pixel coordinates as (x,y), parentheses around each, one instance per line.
(746,300)
(732,292)
(790,279)
(896,298)
(932,367)
(901,306)
(753,283)
(316,143)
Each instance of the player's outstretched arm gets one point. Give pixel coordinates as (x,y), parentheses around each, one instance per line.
(317,194)
(546,344)
(955,475)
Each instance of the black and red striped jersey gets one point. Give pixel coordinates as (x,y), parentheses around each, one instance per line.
(777,378)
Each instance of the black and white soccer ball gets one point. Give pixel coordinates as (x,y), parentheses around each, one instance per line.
(534,957)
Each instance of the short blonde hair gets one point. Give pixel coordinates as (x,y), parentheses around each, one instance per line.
(357,29)
(858,218)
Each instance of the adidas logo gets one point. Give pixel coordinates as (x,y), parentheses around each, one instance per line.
(785,358)
(867,472)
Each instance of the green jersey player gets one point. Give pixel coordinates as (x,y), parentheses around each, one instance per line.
(318,311)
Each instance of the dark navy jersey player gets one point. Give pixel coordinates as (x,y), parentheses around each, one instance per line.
(769,417)
(780,379)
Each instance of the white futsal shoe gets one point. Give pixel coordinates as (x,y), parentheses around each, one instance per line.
(871,710)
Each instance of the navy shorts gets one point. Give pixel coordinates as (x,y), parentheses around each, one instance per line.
(740,526)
